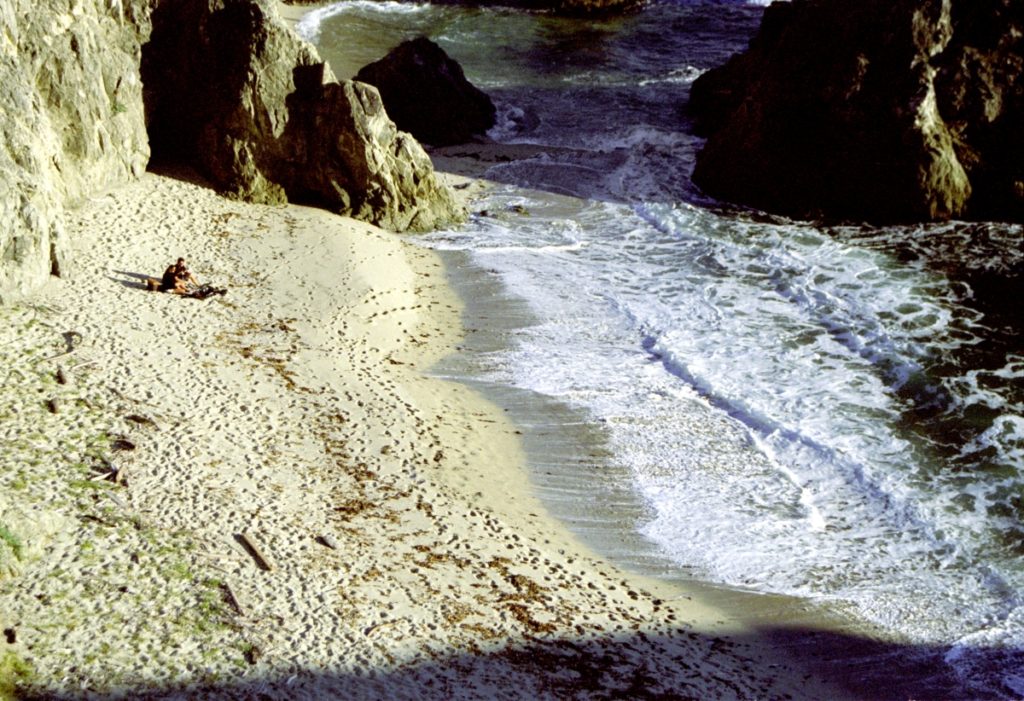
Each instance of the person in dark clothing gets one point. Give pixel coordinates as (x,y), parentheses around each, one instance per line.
(179,280)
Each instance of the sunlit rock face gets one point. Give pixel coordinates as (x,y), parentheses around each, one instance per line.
(885,111)
(71,123)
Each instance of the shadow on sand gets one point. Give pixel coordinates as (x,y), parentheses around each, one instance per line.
(599,669)
(133,281)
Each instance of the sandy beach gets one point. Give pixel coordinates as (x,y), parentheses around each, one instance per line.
(274,493)
(264,493)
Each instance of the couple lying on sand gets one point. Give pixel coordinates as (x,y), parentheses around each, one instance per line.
(179,280)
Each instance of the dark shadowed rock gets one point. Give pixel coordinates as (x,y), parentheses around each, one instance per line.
(427,94)
(232,90)
(887,111)
(589,8)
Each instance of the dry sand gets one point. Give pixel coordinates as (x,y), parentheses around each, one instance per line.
(408,557)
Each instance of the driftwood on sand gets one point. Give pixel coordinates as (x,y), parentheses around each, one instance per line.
(253,548)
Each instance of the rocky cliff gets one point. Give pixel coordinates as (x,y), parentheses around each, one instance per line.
(71,122)
(89,87)
(231,89)
(881,110)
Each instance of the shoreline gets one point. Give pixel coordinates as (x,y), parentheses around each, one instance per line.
(836,654)
(817,636)
(269,494)
(292,417)
(464,165)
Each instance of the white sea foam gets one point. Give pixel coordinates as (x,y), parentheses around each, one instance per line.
(989,658)
(682,76)
(746,374)
(789,401)
(309,26)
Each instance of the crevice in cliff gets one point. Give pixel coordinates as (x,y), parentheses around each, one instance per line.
(190,66)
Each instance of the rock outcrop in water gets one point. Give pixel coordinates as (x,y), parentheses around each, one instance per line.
(88,87)
(886,111)
(427,94)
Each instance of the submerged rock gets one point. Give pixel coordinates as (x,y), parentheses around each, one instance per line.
(427,94)
(886,111)
(272,123)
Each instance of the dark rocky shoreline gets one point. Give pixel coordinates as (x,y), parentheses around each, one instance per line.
(887,112)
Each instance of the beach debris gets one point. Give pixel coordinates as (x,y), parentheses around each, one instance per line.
(232,598)
(121,443)
(83,364)
(141,420)
(108,471)
(105,477)
(377,626)
(251,547)
(72,339)
(328,541)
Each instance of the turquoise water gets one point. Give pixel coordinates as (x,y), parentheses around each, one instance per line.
(832,413)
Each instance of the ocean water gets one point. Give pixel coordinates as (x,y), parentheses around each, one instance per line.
(834,413)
